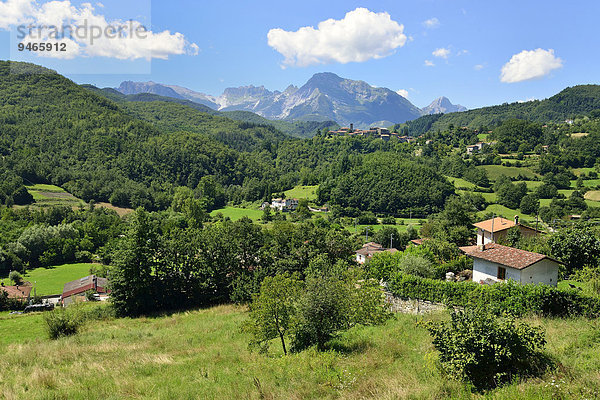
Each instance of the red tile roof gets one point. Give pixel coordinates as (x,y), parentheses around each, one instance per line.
(498,224)
(504,255)
(371,248)
(17,292)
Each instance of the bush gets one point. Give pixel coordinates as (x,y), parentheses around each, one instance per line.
(62,322)
(487,351)
(16,277)
(389,220)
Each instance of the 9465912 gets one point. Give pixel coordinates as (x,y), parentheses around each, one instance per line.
(42,47)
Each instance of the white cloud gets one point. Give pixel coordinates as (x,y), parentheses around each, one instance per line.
(14,12)
(532,64)
(96,42)
(441,53)
(431,23)
(429,63)
(403,93)
(360,36)
(478,67)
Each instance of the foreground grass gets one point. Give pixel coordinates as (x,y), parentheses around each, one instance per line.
(203,354)
(52,280)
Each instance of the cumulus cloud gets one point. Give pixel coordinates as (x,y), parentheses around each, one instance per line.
(429,63)
(403,93)
(441,53)
(125,40)
(360,36)
(431,23)
(530,64)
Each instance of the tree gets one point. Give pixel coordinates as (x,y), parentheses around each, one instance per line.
(389,236)
(487,351)
(576,248)
(267,215)
(16,277)
(330,304)
(131,278)
(273,311)
(530,204)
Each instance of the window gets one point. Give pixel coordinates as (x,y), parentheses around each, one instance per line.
(501,273)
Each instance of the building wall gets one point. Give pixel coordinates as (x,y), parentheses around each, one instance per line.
(544,271)
(483,269)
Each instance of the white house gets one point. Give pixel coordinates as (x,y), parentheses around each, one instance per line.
(492,230)
(501,263)
(284,204)
(366,252)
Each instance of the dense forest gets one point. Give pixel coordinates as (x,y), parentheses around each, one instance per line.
(569,103)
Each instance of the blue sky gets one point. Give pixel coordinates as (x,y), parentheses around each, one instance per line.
(544,46)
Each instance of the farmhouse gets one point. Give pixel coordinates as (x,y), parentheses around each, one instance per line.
(474,148)
(366,252)
(495,229)
(75,290)
(17,292)
(284,204)
(501,263)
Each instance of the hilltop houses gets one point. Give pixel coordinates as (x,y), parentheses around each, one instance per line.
(376,132)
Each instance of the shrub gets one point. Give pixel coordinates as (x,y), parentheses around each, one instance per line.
(62,322)
(389,220)
(16,277)
(488,351)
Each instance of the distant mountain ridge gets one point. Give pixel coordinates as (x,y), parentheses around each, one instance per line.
(324,97)
(442,105)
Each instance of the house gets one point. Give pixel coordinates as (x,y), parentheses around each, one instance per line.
(284,204)
(495,229)
(19,292)
(500,263)
(474,148)
(75,290)
(366,252)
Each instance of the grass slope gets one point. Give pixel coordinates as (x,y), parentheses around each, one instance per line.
(302,192)
(203,354)
(494,171)
(52,280)
(235,213)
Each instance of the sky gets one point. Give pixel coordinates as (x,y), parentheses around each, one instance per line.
(476,53)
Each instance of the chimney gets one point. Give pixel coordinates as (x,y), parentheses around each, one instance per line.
(351,127)
(516,220)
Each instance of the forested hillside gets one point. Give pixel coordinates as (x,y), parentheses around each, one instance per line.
(568,103)
(301,129)
(135,153)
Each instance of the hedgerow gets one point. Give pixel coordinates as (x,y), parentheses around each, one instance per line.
(510,298)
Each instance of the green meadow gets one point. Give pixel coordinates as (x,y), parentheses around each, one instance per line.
(49,281)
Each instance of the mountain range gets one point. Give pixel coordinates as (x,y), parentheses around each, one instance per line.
(324,97)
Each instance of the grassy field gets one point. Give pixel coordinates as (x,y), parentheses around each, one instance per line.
(506,212)
(235,213)
(494,171)
(203,354)
(461,183)
(52,280)
(531,185)
(49,195)
(18,329)
(578,171)
(587,183)
(302,192)
(593,195)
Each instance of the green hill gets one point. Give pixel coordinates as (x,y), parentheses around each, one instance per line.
(568,103)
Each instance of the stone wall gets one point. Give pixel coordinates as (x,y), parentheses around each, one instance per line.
(409,306)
